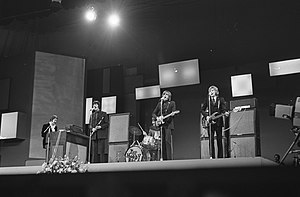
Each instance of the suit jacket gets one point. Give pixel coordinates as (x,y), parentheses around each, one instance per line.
(99,118)
(167,108)
(46,129)
(219,106)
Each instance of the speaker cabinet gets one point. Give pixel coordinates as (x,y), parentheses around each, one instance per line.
(244,146)
(244,130)
(118,127)
(118,137)
(243,122)
(116,152)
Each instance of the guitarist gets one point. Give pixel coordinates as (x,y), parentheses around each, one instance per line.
(214,103)
(167,125)
(98,124)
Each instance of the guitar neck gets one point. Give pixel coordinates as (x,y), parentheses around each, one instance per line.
(220,115)
(175,112)
(167,116)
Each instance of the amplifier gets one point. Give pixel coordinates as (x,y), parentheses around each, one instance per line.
(74,128)
(252,102)
(296,119)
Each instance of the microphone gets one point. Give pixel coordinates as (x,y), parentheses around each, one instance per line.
(163,97)
(93,109)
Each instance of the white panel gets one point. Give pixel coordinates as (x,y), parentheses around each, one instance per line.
(147,92)
(118,127)
(109,104)
(241,85)
(179,73)
(9,124)
(284,67)
(88,106)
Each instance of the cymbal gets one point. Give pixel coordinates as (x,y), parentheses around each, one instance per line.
(134,130)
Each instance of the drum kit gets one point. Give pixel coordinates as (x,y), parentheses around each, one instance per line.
(147,150)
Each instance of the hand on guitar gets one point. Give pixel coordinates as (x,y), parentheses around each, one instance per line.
(95,128)
(160,119)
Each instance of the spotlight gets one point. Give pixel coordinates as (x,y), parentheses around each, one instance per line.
(113,20)
(91,14)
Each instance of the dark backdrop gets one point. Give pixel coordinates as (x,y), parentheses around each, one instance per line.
(228,38)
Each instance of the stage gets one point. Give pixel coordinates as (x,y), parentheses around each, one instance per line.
(202,177)
(156,165)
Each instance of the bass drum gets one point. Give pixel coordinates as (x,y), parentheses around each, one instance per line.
(137,153)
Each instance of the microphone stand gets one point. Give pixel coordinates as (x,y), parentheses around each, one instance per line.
(209,127)
(90,140)
(161,132)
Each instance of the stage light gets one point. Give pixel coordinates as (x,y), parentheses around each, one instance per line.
(56,5)
(113,20)
(91,14)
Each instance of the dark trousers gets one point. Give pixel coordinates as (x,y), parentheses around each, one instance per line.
(167,144)
(218,130)
(99,151)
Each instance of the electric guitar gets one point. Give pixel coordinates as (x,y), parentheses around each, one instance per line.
(160,120)
(216,115)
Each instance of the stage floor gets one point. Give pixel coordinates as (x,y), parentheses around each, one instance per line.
(245,177)
(156,165)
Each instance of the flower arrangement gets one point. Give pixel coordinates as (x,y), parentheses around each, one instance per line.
(63,165)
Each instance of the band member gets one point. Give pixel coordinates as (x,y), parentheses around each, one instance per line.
(214,104)
(163,108)
(47,128)
(98,125)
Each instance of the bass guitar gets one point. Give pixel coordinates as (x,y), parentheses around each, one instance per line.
(160,120)
(216,115)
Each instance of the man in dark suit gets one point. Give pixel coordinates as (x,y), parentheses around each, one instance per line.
(214,104)
(167,125)
(47,128)
(98,125)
